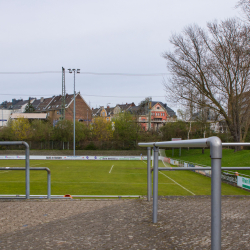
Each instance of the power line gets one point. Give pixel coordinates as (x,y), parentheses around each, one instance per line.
(122,96)
(83,73)
(85,95)
(123,74)
(29,73)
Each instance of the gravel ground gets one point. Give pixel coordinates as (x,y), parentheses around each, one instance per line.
(183,223)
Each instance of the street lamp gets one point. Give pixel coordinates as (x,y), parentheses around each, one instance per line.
(74,129)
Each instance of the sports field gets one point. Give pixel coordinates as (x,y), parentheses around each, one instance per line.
(103,178)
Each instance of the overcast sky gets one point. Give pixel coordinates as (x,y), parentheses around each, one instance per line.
(102,36)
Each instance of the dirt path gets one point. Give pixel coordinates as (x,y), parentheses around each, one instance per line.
(183,223)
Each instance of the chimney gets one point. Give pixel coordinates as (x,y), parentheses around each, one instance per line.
(107,107)
(41,99)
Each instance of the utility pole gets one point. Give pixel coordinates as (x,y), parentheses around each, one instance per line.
(74,119)
(149,112)
(63,94)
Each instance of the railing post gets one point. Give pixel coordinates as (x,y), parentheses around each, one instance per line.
(48,184)
(27,171)
(148,173)
(216,155)
(155,184)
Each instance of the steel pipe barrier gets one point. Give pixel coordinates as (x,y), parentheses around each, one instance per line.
(215,145)
(48,177)
(27,164)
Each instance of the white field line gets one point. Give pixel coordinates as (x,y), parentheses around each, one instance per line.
(128,173)
(15,165)
(177,183)
(111,169)
(38,164)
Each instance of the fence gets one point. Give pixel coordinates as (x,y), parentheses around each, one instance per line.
(27,164)
(228,176)
(48,181)
(27,168)
(215,145)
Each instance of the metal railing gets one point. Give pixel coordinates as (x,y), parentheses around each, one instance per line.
(48,178)
(215,145)
(228,176)
(27,166)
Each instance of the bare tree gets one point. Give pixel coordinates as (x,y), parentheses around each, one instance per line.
(245,7)
(215,67)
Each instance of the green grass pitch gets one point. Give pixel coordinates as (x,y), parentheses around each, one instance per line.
(103,178)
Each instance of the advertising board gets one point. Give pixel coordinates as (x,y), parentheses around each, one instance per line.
(243,182)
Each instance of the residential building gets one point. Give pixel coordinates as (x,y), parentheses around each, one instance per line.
(160,114)
(4,116)
(53,107)
(18,106)
(110,112)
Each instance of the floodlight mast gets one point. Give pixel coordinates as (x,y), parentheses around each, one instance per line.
(74,119)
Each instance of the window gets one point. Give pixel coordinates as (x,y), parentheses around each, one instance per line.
(158,107)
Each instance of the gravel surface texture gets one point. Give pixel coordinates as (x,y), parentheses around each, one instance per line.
(183,223)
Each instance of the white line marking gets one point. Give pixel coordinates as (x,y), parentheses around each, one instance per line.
(111,169)
(177,183)
(128,173)
(3,172)
(38,164)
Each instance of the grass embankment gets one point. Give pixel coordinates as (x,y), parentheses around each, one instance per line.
(229,157)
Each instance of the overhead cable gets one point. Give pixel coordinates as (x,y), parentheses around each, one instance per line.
(83,73)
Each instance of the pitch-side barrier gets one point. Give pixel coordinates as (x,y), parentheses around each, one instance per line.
(215,145)
(22,196)
(27,164)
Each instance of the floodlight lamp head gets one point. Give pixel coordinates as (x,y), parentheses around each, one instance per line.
(70,70)
(78,71)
